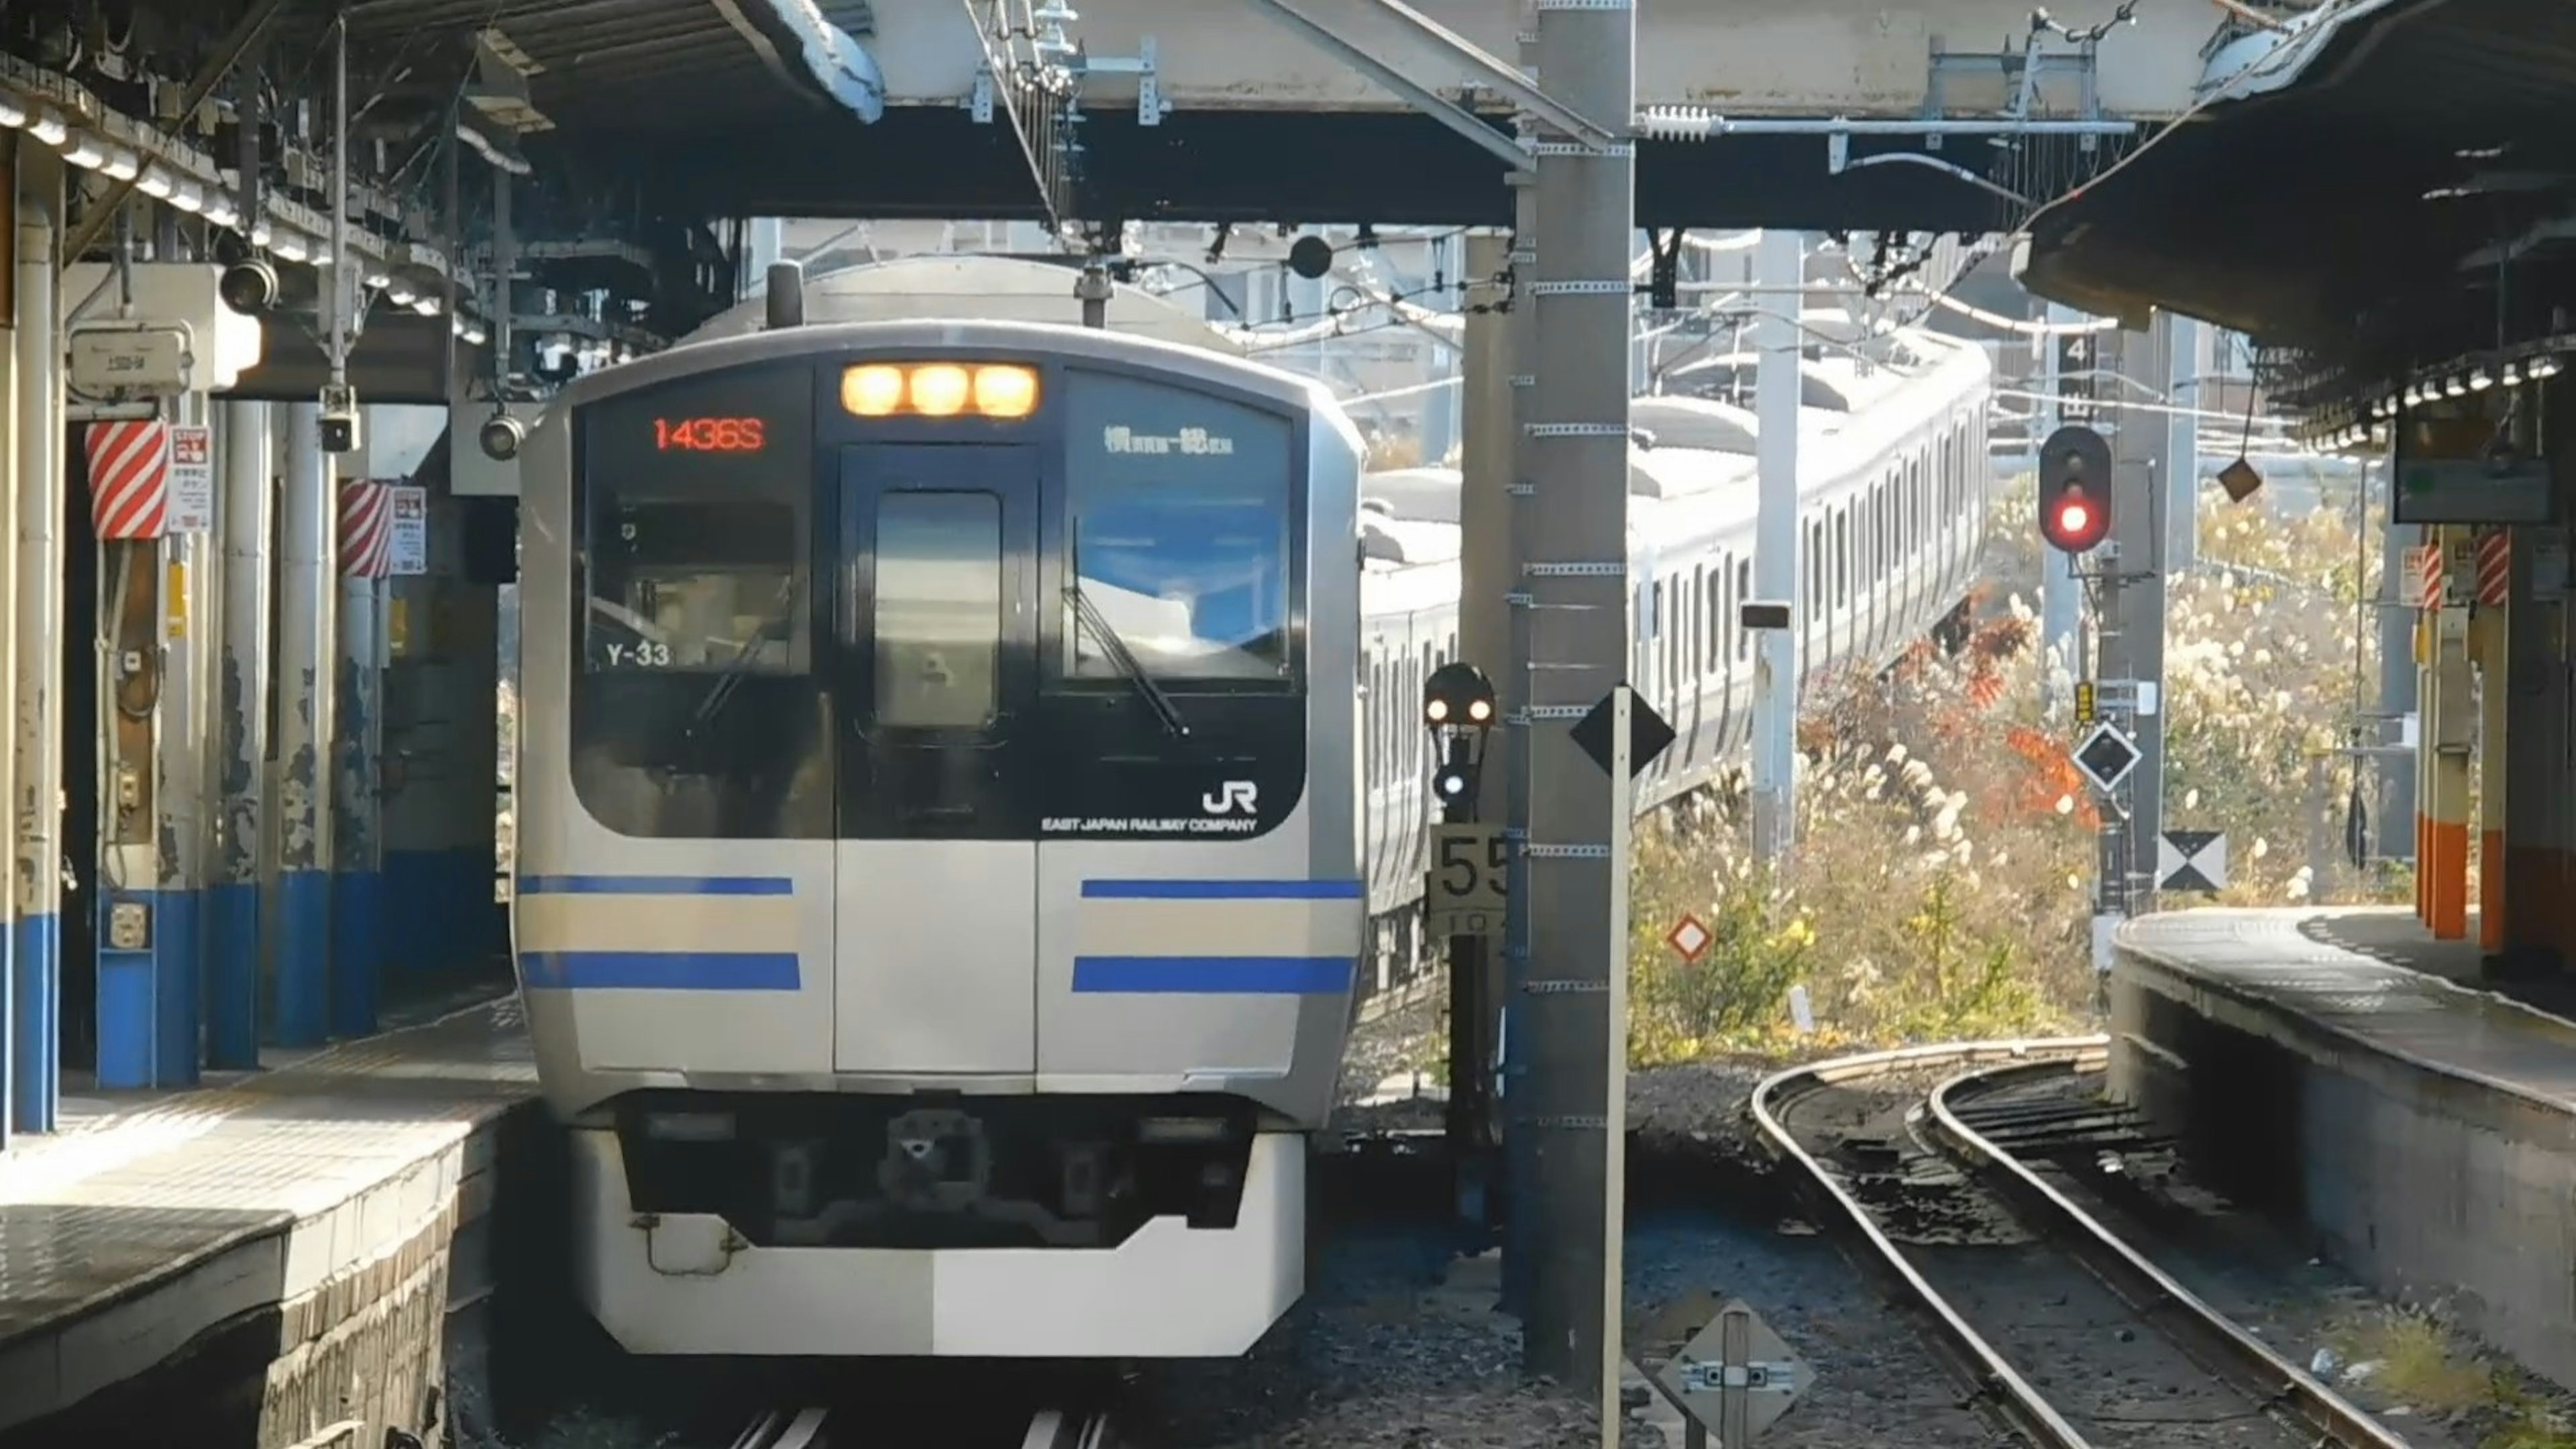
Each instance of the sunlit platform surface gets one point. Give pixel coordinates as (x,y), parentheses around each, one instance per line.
(143,1225)
(2333,1067)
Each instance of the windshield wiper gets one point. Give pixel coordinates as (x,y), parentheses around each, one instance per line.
(778,628)
(1088,613)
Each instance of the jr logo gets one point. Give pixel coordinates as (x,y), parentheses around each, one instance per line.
(1233,797)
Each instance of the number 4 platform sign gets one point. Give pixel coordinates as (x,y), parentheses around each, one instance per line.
(1470,878)
(409,546)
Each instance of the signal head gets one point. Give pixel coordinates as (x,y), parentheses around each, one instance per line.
(2075,490)
(248,287)
(1458,693)
(1453,782)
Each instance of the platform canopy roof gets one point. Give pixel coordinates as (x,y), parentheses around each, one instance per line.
(2380,188)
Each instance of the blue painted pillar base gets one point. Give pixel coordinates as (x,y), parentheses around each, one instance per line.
(129,1001)
(178,946)
(232,976)
(304,958)
(357,950)
(35,1045)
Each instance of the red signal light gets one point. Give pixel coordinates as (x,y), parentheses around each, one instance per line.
(2071,521)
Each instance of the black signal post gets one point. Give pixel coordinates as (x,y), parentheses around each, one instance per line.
(1458,708)
(2075,490)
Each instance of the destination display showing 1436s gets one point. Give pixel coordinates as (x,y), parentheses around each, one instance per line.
(710,435)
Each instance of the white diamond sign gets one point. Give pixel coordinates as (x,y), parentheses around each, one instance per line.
(2106,757)
(1736,1378)
(1690,938)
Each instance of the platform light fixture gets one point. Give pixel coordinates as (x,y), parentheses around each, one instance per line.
(84,155)
(12,115)
(48,129)
(155,185)
(121,166)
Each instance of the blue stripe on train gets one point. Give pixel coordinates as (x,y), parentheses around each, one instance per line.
(1216,975)
(661,970)
(1221,890)
(656,885)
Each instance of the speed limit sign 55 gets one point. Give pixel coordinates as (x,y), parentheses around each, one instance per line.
(1470,876)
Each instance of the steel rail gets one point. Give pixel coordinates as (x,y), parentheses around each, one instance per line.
(2024,1407)
(2204,1333)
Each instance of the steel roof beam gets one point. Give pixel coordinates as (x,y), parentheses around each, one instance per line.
(834,59)
(1502,77)
(1422,97)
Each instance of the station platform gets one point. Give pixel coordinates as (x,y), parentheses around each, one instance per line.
(2334,1067)
(270,1258)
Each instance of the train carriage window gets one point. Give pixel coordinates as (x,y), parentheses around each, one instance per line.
(1815,575)
(1842,557)
(1179,507)
(680,583)
(1712,603)
(938,609)
(694,709)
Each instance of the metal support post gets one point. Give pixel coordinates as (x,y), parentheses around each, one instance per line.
(12,428)
(2061,594)
(35,1004)
(1579,633)
(1778,383)
(2394,826)
(2134,633)
(180,801)
(241,736)
(1520,1162)
(308,544)
(2491,645)
(2192,365)
(357,862)
(1484,636)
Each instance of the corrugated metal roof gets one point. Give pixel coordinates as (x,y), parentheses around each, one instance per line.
(2326,178)
(618,68)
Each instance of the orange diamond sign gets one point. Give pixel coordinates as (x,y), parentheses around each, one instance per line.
(1690,938)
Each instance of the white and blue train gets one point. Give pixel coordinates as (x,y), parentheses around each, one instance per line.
(1894,490)
(959,763)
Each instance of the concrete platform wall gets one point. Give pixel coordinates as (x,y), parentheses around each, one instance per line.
(2433,1187)
(396,1343)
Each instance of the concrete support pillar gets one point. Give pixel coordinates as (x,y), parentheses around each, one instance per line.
(1520,1161)
(246,453)
(2061,595)
(357,842)
(1778,384)
(2133,630)
(1575,1106)
(2191,363)
(2394,828)
(12,426)
(2490,651)
(308,545)
(1487,579)
(35,997)
(180,800)
(2540,742)
(2450,730)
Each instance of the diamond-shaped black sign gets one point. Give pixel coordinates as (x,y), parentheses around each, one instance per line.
(1648,735)
(2106,756)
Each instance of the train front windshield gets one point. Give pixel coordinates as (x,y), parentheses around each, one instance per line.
(814,608)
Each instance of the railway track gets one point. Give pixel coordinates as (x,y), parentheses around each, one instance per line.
(821,1427)
(1927,1162)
